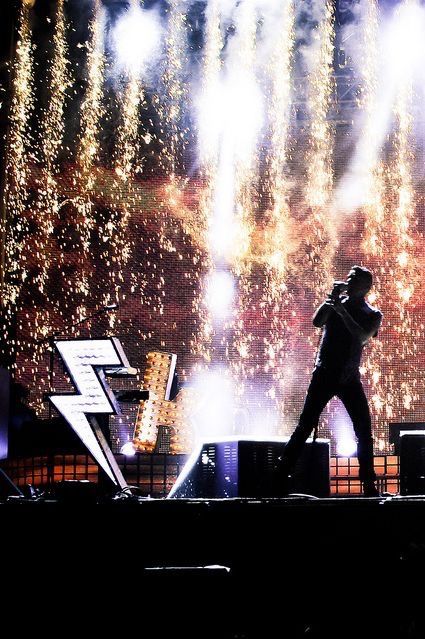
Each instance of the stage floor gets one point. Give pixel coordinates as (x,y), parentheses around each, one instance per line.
(293,567)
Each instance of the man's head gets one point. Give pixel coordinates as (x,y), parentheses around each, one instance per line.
(359,281)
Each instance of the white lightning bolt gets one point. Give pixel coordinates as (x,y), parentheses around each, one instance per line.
(84,360)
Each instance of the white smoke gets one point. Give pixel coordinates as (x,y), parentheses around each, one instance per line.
(401,59)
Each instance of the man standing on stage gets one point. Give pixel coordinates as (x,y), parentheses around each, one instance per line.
(348,321)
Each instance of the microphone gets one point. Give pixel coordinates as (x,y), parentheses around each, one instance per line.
(340,286)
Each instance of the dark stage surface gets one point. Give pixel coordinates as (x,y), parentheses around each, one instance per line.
(294,567)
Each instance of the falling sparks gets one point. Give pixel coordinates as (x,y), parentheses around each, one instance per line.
(406,273)
(88,150)
(278,225)
(126,164)
(389,235)
(175,91)
(375,208)
(128,144)
(51,139)
(236,190)
(209,133)
(278,229)
(16,191)
(239,149)
(404,209)
(92,107)
(319,169)
(319,159)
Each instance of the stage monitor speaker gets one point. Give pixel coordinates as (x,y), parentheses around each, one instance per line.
(412,462)
(246,467)
(396,428)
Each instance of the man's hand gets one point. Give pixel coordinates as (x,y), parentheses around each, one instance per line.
(337,290)
(336,304)
(332,303)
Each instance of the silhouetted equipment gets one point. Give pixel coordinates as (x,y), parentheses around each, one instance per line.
(78,491)
(23,421)
(394,432)
(7,487)
(131,396)
(42,436)
(412,462)
(247,467)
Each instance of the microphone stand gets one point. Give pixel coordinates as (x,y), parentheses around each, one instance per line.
(50,339)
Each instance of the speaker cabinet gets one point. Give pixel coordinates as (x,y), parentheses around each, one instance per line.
(247,468)
(412,462)
(395,429)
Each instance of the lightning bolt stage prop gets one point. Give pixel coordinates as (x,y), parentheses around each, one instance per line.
(85,361)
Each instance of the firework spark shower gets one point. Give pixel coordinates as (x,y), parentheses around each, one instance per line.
(213,167)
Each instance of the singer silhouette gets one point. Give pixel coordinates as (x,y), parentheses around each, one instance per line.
(349,322)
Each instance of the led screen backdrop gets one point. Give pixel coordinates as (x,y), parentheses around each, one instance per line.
(211,167)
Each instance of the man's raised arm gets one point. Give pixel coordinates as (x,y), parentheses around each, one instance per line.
(363,333)
(324,311)
(322,314)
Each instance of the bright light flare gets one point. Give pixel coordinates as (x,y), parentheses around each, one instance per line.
(210,107)
(136,37)
(404,46)
(220,293)
(230,115)
(128,449)
(216,412)
(244,114)
(346,446)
